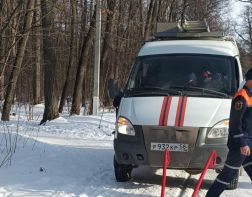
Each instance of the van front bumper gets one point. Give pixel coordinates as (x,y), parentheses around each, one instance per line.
(135,150)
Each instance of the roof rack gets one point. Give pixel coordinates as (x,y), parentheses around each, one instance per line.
(195,26)
(186,30)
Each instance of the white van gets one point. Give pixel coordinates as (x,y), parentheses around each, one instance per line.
(178,96)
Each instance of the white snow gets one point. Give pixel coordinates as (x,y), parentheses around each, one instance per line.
(72,156)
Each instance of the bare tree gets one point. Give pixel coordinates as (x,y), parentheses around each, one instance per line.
(82,66)
(50,62)
(183,11)
(244,29)
(63,55)
(71,55)
(108,44)
(246,1)
(18,61)
(37,68)
(8,32)
(149,20)
(2,52)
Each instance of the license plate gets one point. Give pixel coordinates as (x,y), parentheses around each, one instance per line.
(173,147)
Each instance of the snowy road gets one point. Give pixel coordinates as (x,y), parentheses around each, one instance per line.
(72,156)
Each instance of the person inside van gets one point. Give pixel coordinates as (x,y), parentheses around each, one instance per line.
(207,77)
(212,81)
(192,80)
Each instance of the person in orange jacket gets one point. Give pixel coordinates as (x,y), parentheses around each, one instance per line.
(239,139)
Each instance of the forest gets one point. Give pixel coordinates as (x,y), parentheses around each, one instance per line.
(47,46)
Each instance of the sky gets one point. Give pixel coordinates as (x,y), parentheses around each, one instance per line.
(236,8)
(232,15)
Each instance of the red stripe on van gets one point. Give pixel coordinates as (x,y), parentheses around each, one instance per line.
(178,111)
(167,110)
(162,112)
(183,112)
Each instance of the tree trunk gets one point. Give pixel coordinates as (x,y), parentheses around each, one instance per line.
(107,44)
(112,5)
(50,63)
(72,54)
(183,12)
(163,10)
(84,19)
(82,66)
(14,25)
(37,69)
(154,16)
(172,7)
(149,19)
(91,5)
(2,53)
(18,61)
(141,17)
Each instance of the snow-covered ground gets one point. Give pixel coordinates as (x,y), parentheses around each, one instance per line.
(72,156)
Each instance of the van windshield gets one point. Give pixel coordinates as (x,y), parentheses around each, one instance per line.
(189,72)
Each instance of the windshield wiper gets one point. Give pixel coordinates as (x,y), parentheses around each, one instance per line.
(153,90)
(203,90)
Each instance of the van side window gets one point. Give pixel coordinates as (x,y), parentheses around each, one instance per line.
(237,77)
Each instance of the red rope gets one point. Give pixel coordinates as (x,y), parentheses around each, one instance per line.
(166,164)
(210,164)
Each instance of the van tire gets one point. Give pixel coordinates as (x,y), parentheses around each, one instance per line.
(122,171)
(234,183)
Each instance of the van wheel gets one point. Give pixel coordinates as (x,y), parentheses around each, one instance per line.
(234,183)
(122,171)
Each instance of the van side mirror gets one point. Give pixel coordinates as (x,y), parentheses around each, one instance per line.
(113,89)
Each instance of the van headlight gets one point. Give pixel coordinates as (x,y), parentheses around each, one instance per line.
(124,126)
(220,130)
